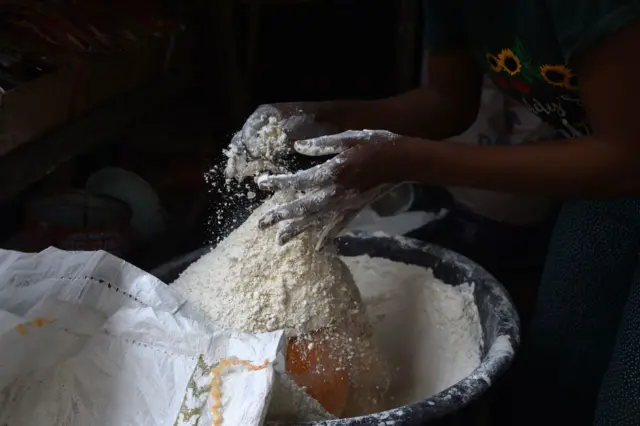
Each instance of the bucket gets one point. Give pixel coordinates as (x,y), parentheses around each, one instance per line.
(77,221)
(499,321)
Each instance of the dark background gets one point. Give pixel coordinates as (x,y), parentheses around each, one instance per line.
(245,54)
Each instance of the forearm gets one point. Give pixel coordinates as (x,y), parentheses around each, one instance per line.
(578,168)
(422,112)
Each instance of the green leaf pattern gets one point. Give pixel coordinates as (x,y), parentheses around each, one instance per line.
(529,70)
(196,396)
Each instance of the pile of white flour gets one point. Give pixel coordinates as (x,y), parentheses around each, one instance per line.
(251,283)
(269,149)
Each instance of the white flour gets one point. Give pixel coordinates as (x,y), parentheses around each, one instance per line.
(265,152)
(250,283)
(259,147)
(428,330)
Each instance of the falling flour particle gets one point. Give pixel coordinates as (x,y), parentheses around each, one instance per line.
(234,196)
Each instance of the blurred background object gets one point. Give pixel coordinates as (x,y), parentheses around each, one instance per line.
(132,102)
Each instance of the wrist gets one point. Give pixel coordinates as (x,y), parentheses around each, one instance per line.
(346,115)
(416,159)
(395,159)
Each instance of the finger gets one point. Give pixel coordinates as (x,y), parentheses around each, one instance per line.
(321,146)
(314,177)
(264,112)
(258,119)
(333,228)
(328,145)
(299,181)
(304,206)
(295,228)
(352,204)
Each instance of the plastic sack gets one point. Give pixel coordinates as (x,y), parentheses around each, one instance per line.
(88,339)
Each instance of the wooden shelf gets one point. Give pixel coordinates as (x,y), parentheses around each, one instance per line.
(34,160)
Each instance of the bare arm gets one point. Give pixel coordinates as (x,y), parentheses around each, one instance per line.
(603,165)
(577,168)
(445,107)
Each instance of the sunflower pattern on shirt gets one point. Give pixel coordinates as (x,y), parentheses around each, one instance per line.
(549,89)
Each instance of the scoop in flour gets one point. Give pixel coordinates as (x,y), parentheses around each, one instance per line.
(252,284)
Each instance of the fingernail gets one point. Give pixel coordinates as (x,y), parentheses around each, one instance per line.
(282,238)
(285,235)
(301,145)
(263,182)
(265,221)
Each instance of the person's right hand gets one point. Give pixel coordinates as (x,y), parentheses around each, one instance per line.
(367,164)
(286,122)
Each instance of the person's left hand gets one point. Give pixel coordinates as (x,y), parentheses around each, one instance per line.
(334,192)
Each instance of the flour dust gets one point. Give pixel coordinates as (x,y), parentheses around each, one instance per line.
(234,198)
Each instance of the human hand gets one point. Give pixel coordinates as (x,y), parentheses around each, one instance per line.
(265,140)
(334,192)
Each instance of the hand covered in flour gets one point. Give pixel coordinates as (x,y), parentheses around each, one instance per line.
(266,138)
(365,168)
